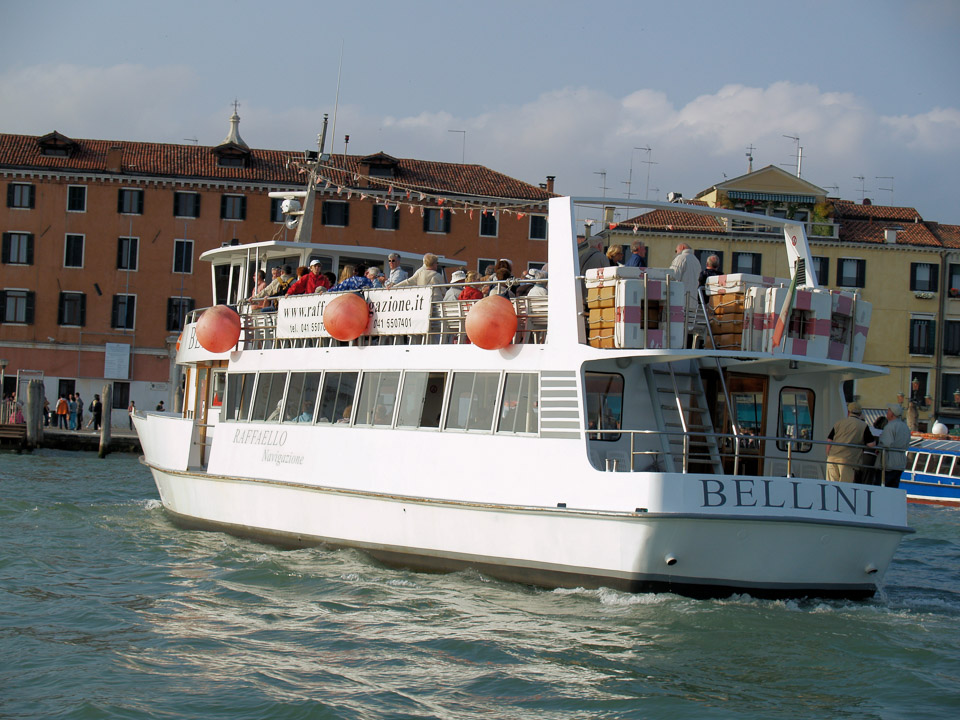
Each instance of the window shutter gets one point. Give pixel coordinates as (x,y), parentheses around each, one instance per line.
(115,313)
(140,195)
(83,310)
(913,276)
(861,273)
(30,249)
(119,253)
(756,263)
(10,195)
(196,205)
(33,196)
(132,255)
(934,278)
(396,219)
(119,201)
(3,306)
(223,206)
(6,248)
(31,301)
(373,216)
(446,221)
(60,309)
(346,214)
(243,208)
(426,220)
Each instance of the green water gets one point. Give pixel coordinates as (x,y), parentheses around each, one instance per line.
(107,610)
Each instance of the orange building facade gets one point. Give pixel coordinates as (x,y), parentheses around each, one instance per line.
(101,242)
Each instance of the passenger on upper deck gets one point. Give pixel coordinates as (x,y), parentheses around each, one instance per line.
(374,275)
(278,286)
(471,292)
(453,293)
(426,275)
(591,255)
(530,288)
(397,273)
(686,269)
(895,439)
(637,255)
(350,281)
(539,289)
(310,282)
(615,256)
(502,285)
(712,270)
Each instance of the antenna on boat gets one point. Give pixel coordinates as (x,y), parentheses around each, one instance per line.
(336,102)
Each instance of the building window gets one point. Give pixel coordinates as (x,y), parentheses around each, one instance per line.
(186,204)
(72,309)
(177,309)
(335,213)
(73,251)
(120,395)
(77,198)
(538,227)
(484,263)
(950,391)
(923,277)
(922,335)
(821,266)
(183,256)
(488,223)
(17,248)
(746,262)
(851,272)
(233,207)
(951,337)
(127,253)
(276,214)
(124,312)
(436,220)
(953,280)
(130,202)
(21,195)
(385,218)
(16,306)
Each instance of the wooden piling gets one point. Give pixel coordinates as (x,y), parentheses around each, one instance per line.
(106,397)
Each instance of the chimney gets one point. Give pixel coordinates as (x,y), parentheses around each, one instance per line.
(550,179)
(115,159)
(608,215)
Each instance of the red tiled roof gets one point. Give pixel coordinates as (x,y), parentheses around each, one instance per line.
(846,210)
(949,235)
(267,166)
(909,233)
(674,221)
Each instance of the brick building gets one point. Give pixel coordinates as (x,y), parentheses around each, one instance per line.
(101,240)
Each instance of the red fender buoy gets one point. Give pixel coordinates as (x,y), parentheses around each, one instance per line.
(218,329)
(346,317)
(491,323)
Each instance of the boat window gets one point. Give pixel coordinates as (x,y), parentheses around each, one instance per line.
(218,379)
(955,472)
(336,400)
(796,418)
(239,393)
(378,397)
(604,397)
(520,404)
(268,397)
(421,399)
(933,465)
(473,397)
(926,463)
(301,397)
(911,458)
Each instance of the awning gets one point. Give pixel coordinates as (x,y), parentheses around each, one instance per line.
(770,197)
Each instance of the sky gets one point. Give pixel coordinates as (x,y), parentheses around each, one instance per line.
(613,98)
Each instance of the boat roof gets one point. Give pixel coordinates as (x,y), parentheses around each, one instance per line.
(283,248)
(938,445)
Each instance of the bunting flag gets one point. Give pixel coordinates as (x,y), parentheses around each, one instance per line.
(784,318)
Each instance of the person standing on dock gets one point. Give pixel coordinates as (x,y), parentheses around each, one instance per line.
(72,410)
(96,409)
(131,409)
(62,409)
(79,413)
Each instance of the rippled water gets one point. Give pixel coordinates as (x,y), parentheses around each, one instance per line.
(107,610)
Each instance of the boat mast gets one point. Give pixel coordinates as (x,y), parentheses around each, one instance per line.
(305,226)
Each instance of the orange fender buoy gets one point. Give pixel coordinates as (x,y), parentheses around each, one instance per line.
(218,329)
(346,317)
(491,323)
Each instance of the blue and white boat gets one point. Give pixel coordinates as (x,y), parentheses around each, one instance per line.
(932,474)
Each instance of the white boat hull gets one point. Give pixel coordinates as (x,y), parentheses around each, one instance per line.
(701,555)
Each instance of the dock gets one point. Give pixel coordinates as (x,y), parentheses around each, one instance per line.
(14,437)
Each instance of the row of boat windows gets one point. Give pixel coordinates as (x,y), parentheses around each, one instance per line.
(460,401)
(932,464)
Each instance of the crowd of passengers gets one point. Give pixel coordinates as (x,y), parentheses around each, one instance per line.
(498,279)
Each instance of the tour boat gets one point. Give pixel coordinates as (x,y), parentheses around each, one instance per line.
(621,433)
(932,474)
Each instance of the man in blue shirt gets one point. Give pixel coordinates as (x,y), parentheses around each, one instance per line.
(636,258)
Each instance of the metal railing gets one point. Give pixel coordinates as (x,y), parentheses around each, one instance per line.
(741,452)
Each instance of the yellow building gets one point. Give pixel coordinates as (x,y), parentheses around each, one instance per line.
(909,269)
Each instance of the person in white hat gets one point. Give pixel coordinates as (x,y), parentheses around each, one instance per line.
(453,293)
(894,440)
